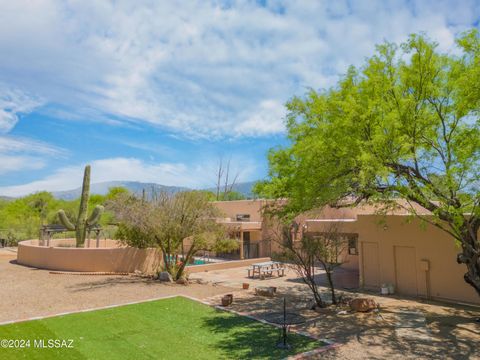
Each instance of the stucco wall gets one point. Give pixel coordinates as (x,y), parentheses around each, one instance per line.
(232,208)
(105,259)
(407,248)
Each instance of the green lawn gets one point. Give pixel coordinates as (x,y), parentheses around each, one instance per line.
(175,328)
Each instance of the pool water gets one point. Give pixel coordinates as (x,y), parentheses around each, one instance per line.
(195,261)
(199,262)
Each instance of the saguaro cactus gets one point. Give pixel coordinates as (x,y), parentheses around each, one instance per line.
(82,223)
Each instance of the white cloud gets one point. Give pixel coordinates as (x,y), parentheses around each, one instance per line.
(11,163)
(19,154)
(266,118)
(12,103)
(12,144)
(201,68)
(128,169)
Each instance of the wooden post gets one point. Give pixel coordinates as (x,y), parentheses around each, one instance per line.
(241,245)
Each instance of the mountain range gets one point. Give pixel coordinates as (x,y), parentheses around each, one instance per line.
(136,187)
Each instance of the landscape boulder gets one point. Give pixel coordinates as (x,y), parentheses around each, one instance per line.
(362,304)
(265,291)
(165,276)
(182,281)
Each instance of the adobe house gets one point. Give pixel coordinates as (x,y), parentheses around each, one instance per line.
(392,248)
(245,220)
(396,248)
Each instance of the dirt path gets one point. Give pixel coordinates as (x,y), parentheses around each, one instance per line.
(28,292)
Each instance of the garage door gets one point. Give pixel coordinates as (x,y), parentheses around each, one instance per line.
(371,268)
(405,270)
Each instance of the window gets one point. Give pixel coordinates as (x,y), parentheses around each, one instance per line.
(353,245)
(243,217)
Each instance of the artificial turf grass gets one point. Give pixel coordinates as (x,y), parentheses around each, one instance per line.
(174,328)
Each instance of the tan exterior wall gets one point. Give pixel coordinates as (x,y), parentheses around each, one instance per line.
(350,262)
(231,208)
(420,260)
(105,259)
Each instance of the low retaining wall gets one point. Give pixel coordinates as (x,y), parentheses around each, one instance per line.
(225,265)
(110,256)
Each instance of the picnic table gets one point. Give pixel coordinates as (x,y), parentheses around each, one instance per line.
(266,268)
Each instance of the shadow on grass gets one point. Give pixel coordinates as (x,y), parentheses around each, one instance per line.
(246,338)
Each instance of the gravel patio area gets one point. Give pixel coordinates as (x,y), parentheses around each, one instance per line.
(401,329)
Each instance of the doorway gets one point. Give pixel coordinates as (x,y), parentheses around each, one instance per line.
(371,266)
(405,270)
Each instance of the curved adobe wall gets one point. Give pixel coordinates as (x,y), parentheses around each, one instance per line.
(110,256)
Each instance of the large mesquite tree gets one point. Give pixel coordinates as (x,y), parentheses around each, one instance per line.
(406,124)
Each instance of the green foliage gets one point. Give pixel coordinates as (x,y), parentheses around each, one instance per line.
(406,124)
(21,219)
(182,223)
(230,196)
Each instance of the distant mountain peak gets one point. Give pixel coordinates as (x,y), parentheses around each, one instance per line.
(137,187)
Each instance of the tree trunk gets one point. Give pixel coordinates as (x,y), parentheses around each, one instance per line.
(470,256)
(185,262)
(329,274)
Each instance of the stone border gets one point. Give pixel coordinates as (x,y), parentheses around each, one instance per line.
(87,310)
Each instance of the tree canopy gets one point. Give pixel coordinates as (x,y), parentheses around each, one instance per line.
(177,224)
(406,124)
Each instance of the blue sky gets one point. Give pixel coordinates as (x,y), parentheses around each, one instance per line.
(158,91)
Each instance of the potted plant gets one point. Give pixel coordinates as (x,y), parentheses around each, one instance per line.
(227,299)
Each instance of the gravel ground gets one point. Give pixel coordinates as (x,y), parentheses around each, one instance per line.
(27,292)
(402,328)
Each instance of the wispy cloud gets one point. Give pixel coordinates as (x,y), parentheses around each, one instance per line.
(203,68)
(19,154)
(14,102)
(25,145)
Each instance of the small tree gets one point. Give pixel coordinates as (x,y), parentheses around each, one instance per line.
(309,253)
(167,222)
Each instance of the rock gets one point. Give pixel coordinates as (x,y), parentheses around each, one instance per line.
(320,310)
(264,291)
(165,276)
(182,281)
(362,304)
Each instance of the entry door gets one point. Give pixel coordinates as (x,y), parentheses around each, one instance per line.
(405,270)
(371,268)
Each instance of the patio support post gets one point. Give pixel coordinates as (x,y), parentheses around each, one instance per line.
(241,245)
